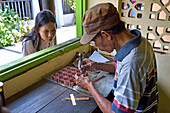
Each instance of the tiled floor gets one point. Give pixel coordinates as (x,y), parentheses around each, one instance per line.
(12,53)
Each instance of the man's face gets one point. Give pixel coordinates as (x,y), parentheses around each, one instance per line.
(48,31)
(104,43)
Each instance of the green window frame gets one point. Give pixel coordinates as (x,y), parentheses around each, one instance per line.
(81,7)
(19,66)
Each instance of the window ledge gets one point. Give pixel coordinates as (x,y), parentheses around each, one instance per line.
(17,67)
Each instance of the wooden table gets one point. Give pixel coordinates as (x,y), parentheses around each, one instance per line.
(47,97)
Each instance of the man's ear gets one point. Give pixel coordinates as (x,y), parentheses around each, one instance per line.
(106,34)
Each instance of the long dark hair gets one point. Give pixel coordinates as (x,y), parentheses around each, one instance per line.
(42,18)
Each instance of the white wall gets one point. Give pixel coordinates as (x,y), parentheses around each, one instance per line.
(163,63)
(68,19)
(59,13)
(36,8)
(62,19)
(91,3)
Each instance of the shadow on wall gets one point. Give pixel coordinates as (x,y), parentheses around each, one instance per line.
(164,101)
(163,64)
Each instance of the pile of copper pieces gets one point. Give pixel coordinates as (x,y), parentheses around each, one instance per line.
(67,75)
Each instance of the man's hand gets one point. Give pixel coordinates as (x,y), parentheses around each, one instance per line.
(88,65)
(102,102)
(83,81)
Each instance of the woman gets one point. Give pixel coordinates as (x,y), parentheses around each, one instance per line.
(43,34)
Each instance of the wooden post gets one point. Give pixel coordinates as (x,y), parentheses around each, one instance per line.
(49,4)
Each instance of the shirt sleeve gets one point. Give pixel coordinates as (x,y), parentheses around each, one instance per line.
(28,48)
(127,94)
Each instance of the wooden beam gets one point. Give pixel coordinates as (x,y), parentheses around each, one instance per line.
(49,4)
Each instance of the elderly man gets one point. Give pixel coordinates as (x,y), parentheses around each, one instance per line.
(135,86)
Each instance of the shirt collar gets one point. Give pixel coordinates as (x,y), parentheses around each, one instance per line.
(125,50)
(44,42)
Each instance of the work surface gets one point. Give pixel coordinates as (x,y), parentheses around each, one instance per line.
(103,82)
(47,97)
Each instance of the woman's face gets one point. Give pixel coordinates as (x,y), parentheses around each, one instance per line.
(48,31)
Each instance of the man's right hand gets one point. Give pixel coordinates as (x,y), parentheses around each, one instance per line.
(89,65)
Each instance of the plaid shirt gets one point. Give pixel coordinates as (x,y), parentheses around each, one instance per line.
(135,86)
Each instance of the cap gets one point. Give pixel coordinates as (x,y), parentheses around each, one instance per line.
(100,17)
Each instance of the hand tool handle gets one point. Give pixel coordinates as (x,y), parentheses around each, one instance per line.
(81,98)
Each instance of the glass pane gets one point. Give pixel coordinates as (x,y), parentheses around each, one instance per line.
(11,45)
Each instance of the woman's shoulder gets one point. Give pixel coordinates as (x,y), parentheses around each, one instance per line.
(27,41)
(29,37)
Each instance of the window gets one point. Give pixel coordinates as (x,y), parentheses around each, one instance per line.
(21,65)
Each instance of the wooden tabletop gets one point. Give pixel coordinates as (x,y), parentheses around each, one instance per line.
(48,97)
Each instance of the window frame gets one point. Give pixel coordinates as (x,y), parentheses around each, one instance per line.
(19,66)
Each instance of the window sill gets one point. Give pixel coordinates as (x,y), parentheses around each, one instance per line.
(17,67)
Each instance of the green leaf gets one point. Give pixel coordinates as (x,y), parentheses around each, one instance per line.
(11,27)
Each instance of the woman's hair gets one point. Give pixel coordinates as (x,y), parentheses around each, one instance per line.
(42,18)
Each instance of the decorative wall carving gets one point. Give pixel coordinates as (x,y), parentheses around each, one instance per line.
(152,18)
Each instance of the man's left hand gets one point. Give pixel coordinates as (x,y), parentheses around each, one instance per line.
(82,81)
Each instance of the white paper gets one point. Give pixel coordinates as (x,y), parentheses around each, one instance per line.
(97,57)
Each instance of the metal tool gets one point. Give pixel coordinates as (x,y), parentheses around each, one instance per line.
(98,79)
(80,62)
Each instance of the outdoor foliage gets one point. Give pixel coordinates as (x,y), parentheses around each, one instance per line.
(12,27)
(72,4)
